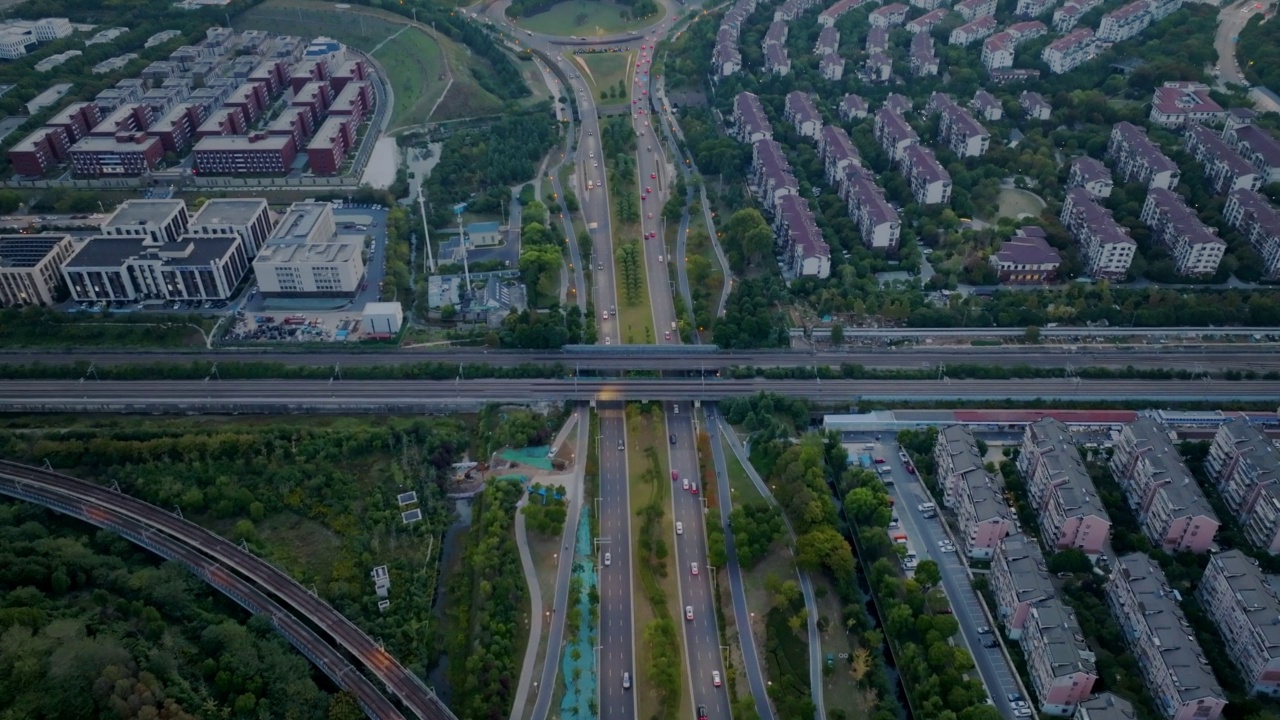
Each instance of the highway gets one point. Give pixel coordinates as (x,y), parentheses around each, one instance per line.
(617,628)
(108,507)
(701,633)
(1201,359)
(435,395)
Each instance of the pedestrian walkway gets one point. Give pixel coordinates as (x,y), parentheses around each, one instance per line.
(579,661)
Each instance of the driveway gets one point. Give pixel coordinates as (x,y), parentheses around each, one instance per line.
(908,492)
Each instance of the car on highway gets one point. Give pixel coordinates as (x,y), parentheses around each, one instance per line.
(879,461)
(672,438)
(715,678)
(702,712)
(621,446)
(1022,712)
(1014,697)
(648,189)
(688,612)
(693,568)
(685,484)
(679,528)
(1019,704)
(653,176)
(626,681)
(693,488)
(983,629)
(608,559)
(666,335)
(650,216)
(675,475)
(660,260)
(990,644)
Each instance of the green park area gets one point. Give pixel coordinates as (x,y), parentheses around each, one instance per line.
(607,73)
(417,65)
(586,19)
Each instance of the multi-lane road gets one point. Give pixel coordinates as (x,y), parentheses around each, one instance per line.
(614,556)
(703,656)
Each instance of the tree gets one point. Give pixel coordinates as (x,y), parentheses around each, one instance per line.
(9,201)
(1069,560)
(1031,334)
(837,335)
(928,575)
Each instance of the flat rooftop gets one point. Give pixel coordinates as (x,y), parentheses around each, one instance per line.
(244,142)
(229,211)
(299,223)
(335,252)
(27,251)
(143,212)
(112,251)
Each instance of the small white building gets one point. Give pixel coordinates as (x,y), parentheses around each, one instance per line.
(381,318)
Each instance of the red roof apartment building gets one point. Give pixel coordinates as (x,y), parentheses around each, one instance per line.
(353,101)
(257,154)
(349,71)
(330,145)
(178,126)
(271,74)
(126,154)
(294,121)
(251,98)
(39,151)
(317,96)
(223,121)
(306,71)
(76,119)
(128,118)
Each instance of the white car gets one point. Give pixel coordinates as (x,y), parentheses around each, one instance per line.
(1023,712)
(685,483)
(608,559)
(626,681)
(693,568)
(679,528)
(943,543)
(715,678)
(688,612)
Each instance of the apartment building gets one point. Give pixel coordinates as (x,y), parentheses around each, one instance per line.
(1027,30)
(1138,159)
(1068,508)
(893,133)
(353,101)
(1092,175)
(1242,603)
(927,21)
(923,58)
(776,60)
(828,17)
(1124,22)
(800,111)
(1026,258)
(828,41)
(803,251)
(1004,76)
(1171,508)
(31,268)
(771,176)
(1033,8)
(792,9)
(328,148)
(877,68)
(900,104)
(1059,661)
(926,5)
(1195,247)
(889,15)
(853,107)
(987,106)
(1106,706)
(1034,106)
(76,119)
(1177,104)
(838,154)
(124,155)
(251,98)
(175,128)
(1070,51)
(984,517)
(1257,146)
(256,154)
(831,67)
(750,124)
(930,182)
(304,258)
(955,453)
(1224,168)
(877,40)
(1105,245)
(957,128)
(974,9)
(1244,465)
(40,151)
(1249,213)
(877,220)
(1173,666)
(1066,17)
(1019,581)
(128,118)
(997,51)
(973,31)
(726,59)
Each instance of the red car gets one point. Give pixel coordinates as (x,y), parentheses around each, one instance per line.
(648,189)
(693,488)
(653,176)
(674,476)
(911,468)
(879,461)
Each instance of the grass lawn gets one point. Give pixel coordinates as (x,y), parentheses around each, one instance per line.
(415,64)
(635,320)
(744,491)
(50,329)
(643,432)
(605,71)
(1014,202)
(585,19)
(465,97)
(839,689)
(543,549)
